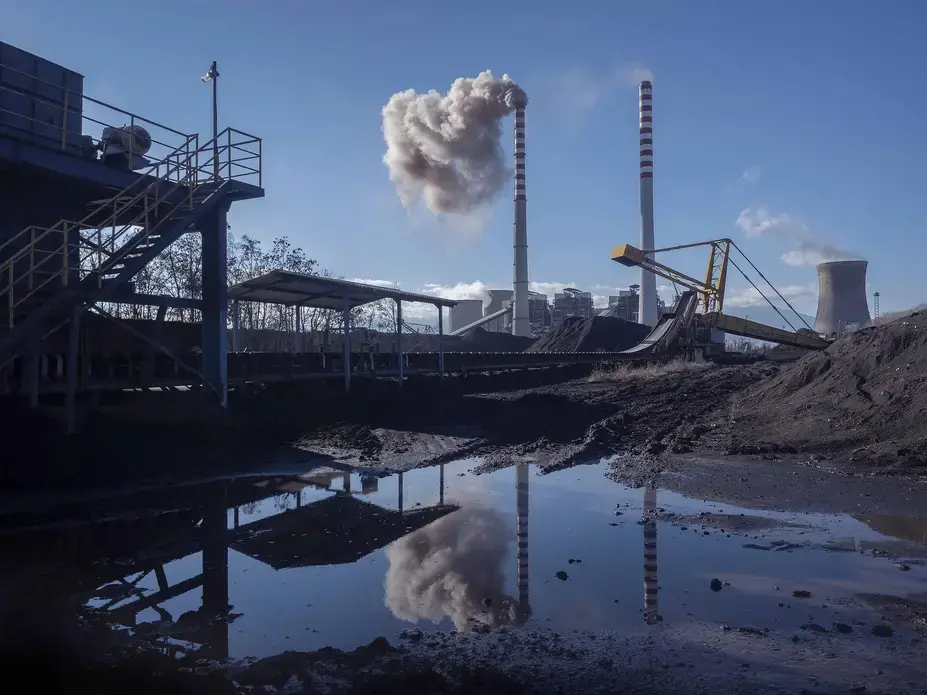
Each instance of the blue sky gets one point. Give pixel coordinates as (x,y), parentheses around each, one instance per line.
(808,115)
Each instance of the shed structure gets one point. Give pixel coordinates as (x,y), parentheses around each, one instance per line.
(286,288)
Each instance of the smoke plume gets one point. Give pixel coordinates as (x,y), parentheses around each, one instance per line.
(760,222)
(444,149)
(452,568)
(813,253)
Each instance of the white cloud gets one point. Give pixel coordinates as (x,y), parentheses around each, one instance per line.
(750,296)
(751,175)
(757,222)
(461,290)
(549,288)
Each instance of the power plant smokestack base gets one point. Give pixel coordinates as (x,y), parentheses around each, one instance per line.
(842,301)
(521,321)
(647,307)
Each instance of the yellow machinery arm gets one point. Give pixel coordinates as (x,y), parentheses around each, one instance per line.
(710,292)
(760,331)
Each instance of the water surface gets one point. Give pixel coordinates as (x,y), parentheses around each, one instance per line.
(334,558)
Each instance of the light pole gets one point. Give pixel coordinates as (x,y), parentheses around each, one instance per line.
(213,76)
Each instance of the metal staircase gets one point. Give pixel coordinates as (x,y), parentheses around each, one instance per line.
(46,274)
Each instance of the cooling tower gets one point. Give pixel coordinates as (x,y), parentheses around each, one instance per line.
(521,321)
(841,297)
(647,307)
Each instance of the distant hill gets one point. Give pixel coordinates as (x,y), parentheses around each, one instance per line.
(767,315)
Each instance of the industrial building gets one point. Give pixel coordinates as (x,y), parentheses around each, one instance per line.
(625,304)
(539,311)
(571,302)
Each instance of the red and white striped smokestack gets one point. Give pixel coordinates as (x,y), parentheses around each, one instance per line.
(521,321)
(647,308)
(651,582)
(521,483)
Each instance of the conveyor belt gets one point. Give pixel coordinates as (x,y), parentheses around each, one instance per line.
(669,327)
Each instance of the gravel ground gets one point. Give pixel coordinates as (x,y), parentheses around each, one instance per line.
(692,659)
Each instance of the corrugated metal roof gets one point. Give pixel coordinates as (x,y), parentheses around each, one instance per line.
(285,287)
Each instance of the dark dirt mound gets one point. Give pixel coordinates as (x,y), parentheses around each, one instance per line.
(864,396)
(481,340)
(598,334)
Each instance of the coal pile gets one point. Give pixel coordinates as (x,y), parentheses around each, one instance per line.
(863,399)
(481,340)
(598,334)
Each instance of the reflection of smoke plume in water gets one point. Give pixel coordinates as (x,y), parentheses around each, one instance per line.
(449,569)
(445,148)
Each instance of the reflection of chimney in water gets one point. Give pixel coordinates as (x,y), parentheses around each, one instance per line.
(651,609)
(521,485)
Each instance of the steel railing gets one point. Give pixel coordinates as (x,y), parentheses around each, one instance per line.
(70,251)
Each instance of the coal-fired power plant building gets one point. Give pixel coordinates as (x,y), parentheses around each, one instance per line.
(647,311)
(842,302)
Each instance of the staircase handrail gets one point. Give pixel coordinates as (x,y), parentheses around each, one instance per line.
(182,159)
(122,194)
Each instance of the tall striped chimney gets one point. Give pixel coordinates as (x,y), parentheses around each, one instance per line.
(647,308)
(651,585)
(521,321)
(521,485)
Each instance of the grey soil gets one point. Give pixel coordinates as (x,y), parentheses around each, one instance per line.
(765,434)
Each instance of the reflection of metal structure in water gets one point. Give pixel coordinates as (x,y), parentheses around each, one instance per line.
(347,528)
(651,586)
(521,484)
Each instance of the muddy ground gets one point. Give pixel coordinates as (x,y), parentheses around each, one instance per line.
(690,659)
(855,409)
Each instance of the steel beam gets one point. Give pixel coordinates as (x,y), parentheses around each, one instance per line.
(214,233)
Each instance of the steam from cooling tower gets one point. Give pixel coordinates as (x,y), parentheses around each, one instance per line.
(444,149)
(452,568)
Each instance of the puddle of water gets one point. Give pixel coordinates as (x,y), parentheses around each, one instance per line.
(335,559)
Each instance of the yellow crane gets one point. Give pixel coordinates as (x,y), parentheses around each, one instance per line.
(710,292)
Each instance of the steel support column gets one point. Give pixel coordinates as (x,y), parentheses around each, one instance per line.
(30,375)
(399,339)
(236,319)
(214,233)
(72,371)
(441,341)
(216,570)
(400,493)
(346,325)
